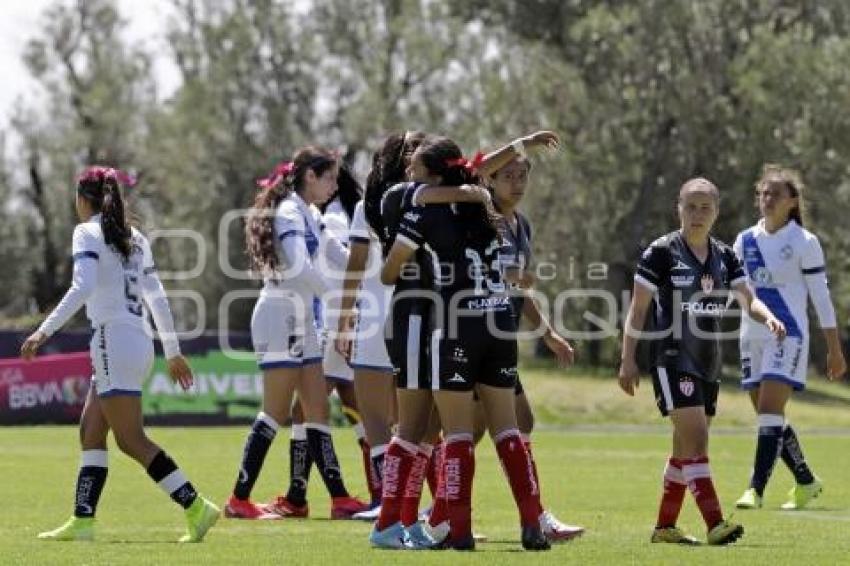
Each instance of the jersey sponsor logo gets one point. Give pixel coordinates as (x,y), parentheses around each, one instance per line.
(488,303)
(682,280)
(686,386)
(457,378)
(704,309)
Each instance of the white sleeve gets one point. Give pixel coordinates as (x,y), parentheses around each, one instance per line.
(333,245)
(813,266)
(86,249)
(289,230)
(157,302)
(738,247)
(360,230)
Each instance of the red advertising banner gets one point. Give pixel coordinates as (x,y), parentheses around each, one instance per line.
(48,389)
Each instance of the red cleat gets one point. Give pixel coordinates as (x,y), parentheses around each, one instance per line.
(246,509)
(345,507)
(285,509)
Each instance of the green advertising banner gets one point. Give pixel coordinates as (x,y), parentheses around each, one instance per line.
(227,390)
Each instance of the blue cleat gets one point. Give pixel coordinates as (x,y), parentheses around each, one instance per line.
(393,537)
(418,538)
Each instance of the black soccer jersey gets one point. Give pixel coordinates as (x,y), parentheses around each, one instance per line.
(465,262)
(516,253)
(690,299)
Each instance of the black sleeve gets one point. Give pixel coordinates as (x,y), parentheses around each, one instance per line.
(653,266)
(734,267)
(417,224)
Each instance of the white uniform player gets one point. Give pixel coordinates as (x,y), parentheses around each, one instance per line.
(283,324)
(335,228)
(783,269)
(369,351)
(113,291)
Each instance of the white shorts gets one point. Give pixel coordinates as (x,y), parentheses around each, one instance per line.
(334,365)
(283,331)
(369,350)
(769,359)
(121,357)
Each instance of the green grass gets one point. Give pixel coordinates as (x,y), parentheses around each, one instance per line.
(607,482)
(604,475)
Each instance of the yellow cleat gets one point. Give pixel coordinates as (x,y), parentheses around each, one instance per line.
(724,533)
(75,528)
(800,495)
(673,535)
(201,516)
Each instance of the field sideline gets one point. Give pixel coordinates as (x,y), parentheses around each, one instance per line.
(603,479)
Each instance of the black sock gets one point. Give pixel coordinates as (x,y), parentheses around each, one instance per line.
(300,463)
(90,481)
(767,450)
(164,471)
(257,446)
(792,455)
(322,452)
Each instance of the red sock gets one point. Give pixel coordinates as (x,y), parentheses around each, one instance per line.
(526,441)
(440,507)
(698,476)
(413,489)
(673,495)
(459,468)
(518,469)
(433,472)
(398,461)
(373,479)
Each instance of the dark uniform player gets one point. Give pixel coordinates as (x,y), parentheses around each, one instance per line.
(691,297)
(472,339)
(688,277)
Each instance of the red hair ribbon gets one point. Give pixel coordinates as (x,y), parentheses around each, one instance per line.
(470,165)
(278,174)
(100,173)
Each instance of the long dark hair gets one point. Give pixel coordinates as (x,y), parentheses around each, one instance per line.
(772,174)
(389,165)
(100,186)
(348,191)
(286,177)
(443,157)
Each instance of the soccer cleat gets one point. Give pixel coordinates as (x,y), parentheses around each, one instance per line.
(673,535)
(425,514)
(533,539)
(466,543)
(393,537)
(369,514)
(75,528)
(750,500)
(283,507)
(246,509)
(438,533)
(347,507)
(725,532)
(418,537)
(801,495)
(200,517)
(556,531)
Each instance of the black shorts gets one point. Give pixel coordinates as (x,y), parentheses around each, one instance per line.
(677,390)
(406,335)
(474,355)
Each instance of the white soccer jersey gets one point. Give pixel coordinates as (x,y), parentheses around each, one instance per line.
(296,227)
(362,232)
(112,288)
(783,269)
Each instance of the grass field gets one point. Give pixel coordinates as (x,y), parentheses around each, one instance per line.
(606,479)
